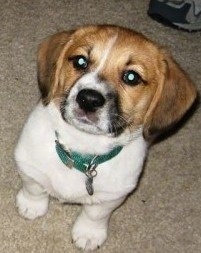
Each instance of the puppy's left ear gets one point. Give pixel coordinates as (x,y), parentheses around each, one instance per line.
(174,96)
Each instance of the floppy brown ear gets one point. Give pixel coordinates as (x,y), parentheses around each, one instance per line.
(174,96)
(50,58)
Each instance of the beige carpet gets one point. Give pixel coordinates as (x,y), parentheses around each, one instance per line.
(164,214)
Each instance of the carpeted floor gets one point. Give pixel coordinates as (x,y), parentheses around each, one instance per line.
(164,214)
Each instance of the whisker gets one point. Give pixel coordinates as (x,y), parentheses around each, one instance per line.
(121,118)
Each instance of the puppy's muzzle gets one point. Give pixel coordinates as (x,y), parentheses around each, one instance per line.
(90,100)
(93,110)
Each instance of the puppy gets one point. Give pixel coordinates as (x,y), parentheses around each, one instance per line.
(106,92)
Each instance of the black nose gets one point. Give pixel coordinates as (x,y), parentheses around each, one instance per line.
(90,100)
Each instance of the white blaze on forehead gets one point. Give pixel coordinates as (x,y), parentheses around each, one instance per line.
(106,53)
(90,80)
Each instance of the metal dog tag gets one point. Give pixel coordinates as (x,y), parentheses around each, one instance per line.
(90,173)
(89,185)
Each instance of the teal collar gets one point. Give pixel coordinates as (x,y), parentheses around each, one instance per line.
(83,162)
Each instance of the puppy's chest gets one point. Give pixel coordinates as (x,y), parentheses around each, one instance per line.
(72,185)
(114,178)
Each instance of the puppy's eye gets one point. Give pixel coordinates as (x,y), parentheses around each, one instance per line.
(80,62)
(130,77)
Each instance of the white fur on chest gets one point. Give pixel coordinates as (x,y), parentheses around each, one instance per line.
(37,158)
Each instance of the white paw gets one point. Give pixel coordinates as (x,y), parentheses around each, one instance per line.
(88,236)
(31,208)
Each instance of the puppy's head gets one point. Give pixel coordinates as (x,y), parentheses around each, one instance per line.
(106,79)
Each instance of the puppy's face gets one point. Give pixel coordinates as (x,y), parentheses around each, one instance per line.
(107,79)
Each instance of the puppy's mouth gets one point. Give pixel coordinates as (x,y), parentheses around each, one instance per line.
(92,112)
(89,118)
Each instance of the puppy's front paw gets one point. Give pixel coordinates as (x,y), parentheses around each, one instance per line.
(31,208)
(88,236)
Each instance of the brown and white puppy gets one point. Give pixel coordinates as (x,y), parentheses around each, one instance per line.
(102,87)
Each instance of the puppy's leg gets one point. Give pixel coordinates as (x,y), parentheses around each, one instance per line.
(90,228)
(32,200)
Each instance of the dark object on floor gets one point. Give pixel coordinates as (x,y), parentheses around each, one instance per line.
(178,14)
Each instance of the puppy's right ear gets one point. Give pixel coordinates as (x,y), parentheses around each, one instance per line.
(50,60)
